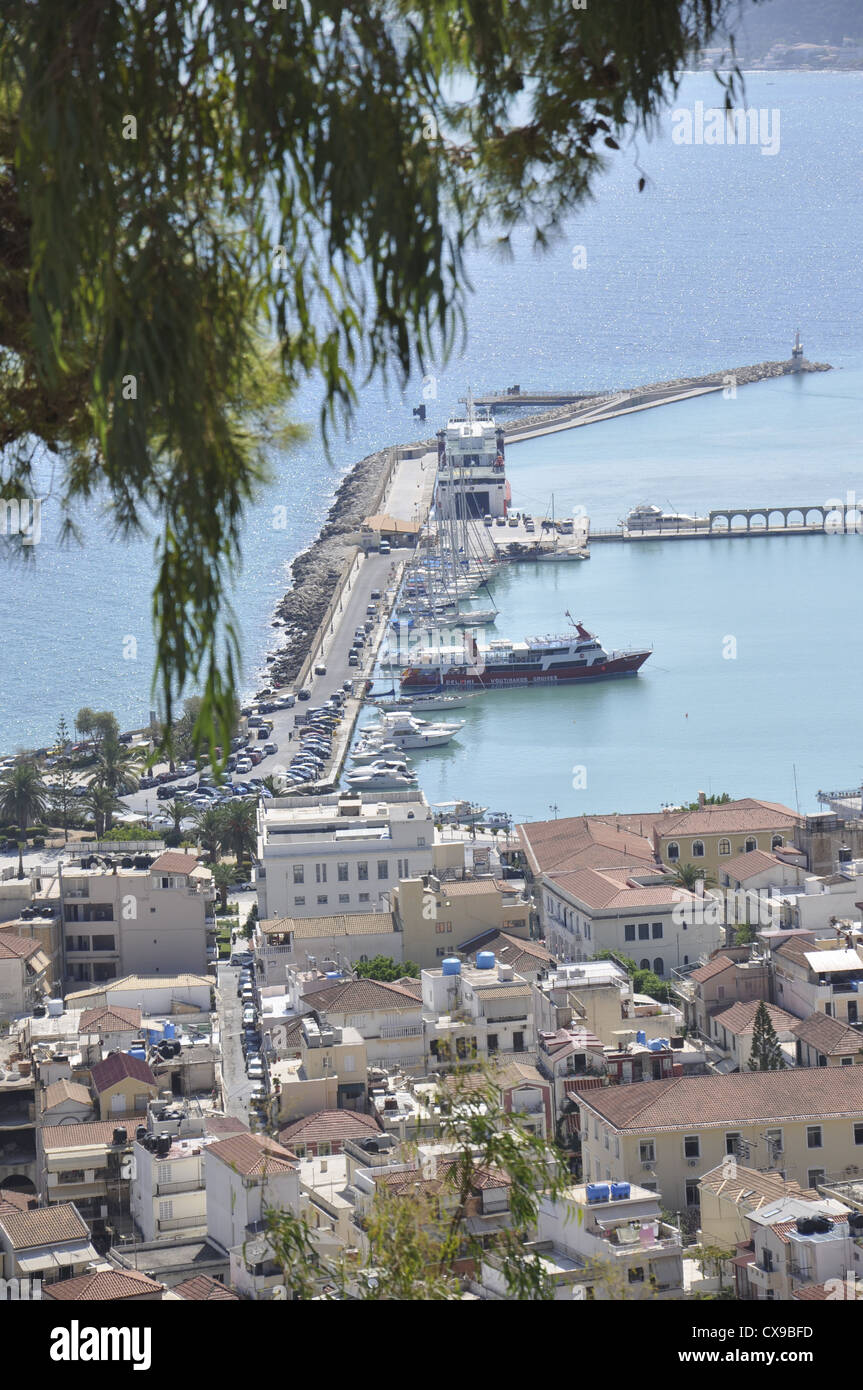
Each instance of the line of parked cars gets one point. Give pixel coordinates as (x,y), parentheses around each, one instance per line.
(315,741)
(247,991)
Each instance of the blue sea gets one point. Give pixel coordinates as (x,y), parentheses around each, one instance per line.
(714,265)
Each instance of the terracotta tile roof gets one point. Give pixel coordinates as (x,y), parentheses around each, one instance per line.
(343,925)
(94,1133)
(202,1289)
(225,1124)
(752,1189)
(469,887)
(740,1018)
(173,861)
(359,995)
(329,1125)
(782,1228)
(104,1286)
(813,1292)
(732,817)
(511,991)
(409,1179)
(117,1067)
(609,891)
(414,987)
(253,1156)
(713,967)
(582,842)
(828,1035)
(748,865)
(10,1200)
(110,1018)
(18,947)
(741,1098)
(795,949)
(44,1226)
(506,1075)
(59,1091)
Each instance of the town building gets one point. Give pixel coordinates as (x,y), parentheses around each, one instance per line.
(597,996)
(329,1074)
(733,1030)
(23,974)
(713,836)
(124,1086)
(474,1013)
(282,943)
(819,976)
(434,914)
(341,853)
(822,1041)
(733,975)
(106,1285)
(186,999)
(805,1123)
(795,1243)
(324,1133)
(46,1243)
(389,1018)
(731,1192)
(247,1176)
(87,1164)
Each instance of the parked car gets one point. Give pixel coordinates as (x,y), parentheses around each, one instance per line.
(500,521)
(270,749)
(487,520)
(353,659)
(256,756)
(375,594)
(249,1015)
(304,694)
(347,686)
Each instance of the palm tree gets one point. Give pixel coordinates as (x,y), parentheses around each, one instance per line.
(241,829)
(210,830)
(102,802)
(223,881)
(178,811)
(23,800)
(117,767)
(688,875)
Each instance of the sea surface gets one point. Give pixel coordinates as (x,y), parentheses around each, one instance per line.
(714,265)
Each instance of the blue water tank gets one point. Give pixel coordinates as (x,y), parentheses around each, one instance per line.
(658,1044)
(170,1030)
(451,966)
(485,960)
(138,1052)
(619,1190)
(153,1036)
(597,1192)
(334,974)
(641,1037)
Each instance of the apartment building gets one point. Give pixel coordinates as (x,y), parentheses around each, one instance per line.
(23,974)
(329,1074)
(47,1243)
(733,1030)
(40,921)
(341,853)
(389,1018)
(434,913)
(731,1192)
(596,996)
(819,976)
(821,1041)
(805,1123)
(734,975)
(475,1013)
(796,1245)
(146,921)
(84,1164)
(282,943)
(246,1176)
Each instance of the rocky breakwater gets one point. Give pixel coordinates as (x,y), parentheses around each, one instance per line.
(316,572)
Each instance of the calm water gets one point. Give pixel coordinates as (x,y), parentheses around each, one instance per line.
(713,266)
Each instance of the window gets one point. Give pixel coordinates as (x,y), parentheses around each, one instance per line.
(814,1177)
(693,1195)
(383,869)
(636,1274)
(322,900)
(344,897)
(342,873)
(492,1048)
(647,1151)
(724,846)
(656,931)
(658,966)
(813,1138)
(644,931)
(617,1148)
(858,1134)
(605,1137)
(731,1142)
(691,1146)
(767,1259)
(698,849)
(164,1172)
(673,850)
(320,873)
(363,869)
(441,927)
(774,1142)
(299,873)
(166,1211)
(629,933)
(404,869)
(776,842)
(644,964)
(299,1150)
(421,841)
(364,897)
(299,902)
(751,844)
(325,1148)
(103,943)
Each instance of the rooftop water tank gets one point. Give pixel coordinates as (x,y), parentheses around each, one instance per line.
(452,966)
(641,1037)
(619,1190)
(54,1007)
(597,1192)
(170,1030)
(485,960)
(120,1136)
(139,1052)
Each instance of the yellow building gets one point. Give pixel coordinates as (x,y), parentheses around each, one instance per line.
(806,1123)
(435,915)
(713,835)
(124,1085)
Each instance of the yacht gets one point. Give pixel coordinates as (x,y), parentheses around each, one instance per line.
(382,776)
(405,730)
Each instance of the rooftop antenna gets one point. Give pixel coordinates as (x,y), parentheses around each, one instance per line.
(796,797)
(470,405)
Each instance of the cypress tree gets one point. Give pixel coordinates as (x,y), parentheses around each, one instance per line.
(766,1054)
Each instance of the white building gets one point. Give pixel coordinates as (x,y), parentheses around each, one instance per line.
(341,853)
(790,1255)
(476,1013)
(245,1176)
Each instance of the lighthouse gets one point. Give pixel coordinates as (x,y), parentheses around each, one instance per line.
(797,351)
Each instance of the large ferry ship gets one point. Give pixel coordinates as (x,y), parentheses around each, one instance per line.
(536,661)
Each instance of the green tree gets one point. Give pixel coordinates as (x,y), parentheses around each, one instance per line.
(63,777)
(241,197)
(384,968)
(766,1054)
(223,881)
(717,799)
(117,767)
(240,828)
(209,830)
(690,875)
(23,800)
(178,810)
(101,802)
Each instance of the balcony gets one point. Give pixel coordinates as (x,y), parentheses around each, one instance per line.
(762,1277)
(408,1030)
(183,1223)
(188,1185)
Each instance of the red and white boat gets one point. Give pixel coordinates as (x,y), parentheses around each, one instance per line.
(536,661)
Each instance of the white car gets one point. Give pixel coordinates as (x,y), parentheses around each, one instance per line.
(249,1016)
(255,1071)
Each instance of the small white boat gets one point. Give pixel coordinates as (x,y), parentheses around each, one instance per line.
(422,702)
(405,730)
(465,811)
(370,750)
(382,776)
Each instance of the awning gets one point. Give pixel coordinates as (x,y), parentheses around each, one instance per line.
(726,1066)
(57,1259)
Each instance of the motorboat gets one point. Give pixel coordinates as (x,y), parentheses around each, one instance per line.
(382,776)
